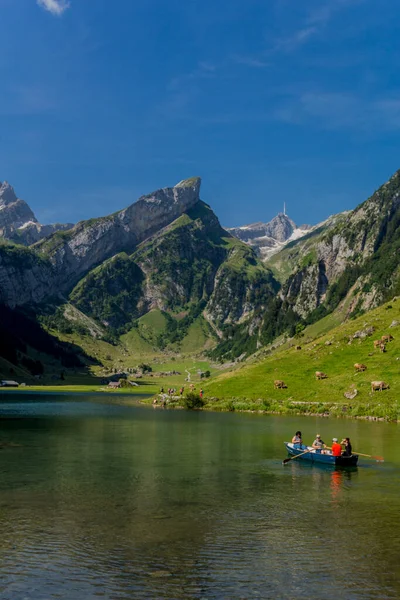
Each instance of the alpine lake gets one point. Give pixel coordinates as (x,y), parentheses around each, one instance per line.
(101,497)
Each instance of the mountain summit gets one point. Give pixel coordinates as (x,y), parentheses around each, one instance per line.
(18,222)
(14,212)
(269,238)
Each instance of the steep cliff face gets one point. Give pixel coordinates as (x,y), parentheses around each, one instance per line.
(169,253)
(73,253)
(269,238)
(55,264)
(25,277)
(17,221)
(359,248)
(190,266)
(13,212)
(33,232)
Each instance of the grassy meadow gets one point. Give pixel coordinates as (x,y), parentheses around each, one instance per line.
(328,345)
(334,352)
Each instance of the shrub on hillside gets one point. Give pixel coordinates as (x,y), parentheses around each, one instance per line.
(192,401)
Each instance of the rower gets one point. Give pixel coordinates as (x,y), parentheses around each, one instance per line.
(318,444)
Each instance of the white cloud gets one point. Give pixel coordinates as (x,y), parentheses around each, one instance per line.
(55,7)
(342,110)
(313,25)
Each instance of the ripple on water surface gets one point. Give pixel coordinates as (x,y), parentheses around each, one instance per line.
(123,502)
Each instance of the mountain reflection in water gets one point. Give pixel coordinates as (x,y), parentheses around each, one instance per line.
(107,501)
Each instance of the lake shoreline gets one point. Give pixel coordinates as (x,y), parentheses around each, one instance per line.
(357,411)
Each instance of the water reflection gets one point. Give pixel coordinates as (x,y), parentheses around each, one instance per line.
(160,504)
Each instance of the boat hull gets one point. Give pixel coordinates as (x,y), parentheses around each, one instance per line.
(325,459)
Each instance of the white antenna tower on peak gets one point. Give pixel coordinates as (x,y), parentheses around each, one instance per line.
(284,208)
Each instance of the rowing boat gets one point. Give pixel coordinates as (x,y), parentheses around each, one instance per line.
(318,457)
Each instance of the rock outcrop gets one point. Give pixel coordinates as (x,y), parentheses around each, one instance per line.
(269,238)
(192,265)
(18,222)
(358,251)
(25,278)
(14,212)
(73,253)
(55,264)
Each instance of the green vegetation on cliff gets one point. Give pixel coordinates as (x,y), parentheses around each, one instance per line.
(191,266)
(111,293)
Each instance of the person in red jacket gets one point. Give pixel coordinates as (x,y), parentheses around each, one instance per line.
(336,447)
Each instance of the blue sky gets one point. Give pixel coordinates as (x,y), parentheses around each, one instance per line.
(268,100)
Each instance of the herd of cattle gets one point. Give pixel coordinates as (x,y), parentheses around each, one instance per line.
(359,367)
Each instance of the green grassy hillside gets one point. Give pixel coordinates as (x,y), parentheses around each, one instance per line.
(334,353)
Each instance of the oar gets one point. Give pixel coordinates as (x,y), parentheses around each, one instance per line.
(377,458)
(284,462)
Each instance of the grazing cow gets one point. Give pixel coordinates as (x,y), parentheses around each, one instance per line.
(320,375)
(382,347)
(387,338)
(359,367)
(279,384)
(378,386)
(377,343)
(298,347)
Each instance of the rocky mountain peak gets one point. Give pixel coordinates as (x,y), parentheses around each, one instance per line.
(280,228)
(18,222)
(7,194)
(269,238)
(192,182)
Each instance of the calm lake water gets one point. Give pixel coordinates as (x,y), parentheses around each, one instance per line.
(107,500)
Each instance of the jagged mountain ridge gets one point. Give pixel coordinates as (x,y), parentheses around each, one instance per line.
(57,263)
(358,250)
(168,252)
(269,238)
(192,265)
(349,263)
(18,222)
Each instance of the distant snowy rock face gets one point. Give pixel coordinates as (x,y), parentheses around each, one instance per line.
(270,237)
(13,212)
(17,221)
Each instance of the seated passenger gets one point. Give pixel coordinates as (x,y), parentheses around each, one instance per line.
(336,447)
(297,441)
(318,444)
(347,451)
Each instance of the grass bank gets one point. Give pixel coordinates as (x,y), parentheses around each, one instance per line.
(251,387)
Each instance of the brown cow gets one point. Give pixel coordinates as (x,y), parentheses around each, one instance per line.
(387,338)
(279,384)
(382,348)
(377,343)
(359,367)
(298,347)
(320,375)
(379,386)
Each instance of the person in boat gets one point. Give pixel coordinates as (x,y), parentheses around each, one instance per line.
(318,444)
(336,447)
(347,450)
(297,441)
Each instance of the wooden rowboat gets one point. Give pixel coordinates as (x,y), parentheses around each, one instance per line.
(318,457)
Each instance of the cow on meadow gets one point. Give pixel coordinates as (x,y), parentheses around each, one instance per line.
(359,367)
(387,338)
(320,375)
(279,384)
(378,386)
